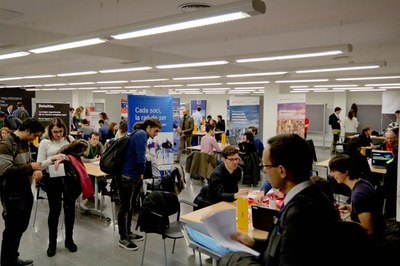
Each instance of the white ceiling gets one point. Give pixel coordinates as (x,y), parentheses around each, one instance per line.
(372,27)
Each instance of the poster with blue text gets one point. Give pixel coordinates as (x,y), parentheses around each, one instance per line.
(141,107)
(244,112)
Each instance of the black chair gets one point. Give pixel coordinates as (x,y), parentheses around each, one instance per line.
(38,197)
(154,218)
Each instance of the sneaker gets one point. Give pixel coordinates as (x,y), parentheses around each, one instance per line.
(20,262)
(135,237)
(128,245)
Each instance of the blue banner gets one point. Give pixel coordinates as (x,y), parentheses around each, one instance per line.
(141,107)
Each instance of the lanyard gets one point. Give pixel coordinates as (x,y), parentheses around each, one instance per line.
(93,153)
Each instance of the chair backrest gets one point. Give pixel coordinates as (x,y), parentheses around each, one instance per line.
(312,147)
(155,211)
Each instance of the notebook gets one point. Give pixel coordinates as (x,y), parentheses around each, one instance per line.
(379,158)
(263,217)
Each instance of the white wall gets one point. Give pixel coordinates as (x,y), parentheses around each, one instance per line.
(216,104)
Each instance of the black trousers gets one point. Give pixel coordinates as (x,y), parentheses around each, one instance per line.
(129,189)
(16,215)
(56,195)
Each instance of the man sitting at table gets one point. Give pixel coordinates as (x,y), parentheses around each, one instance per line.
(223,184)
(208,142)
(96,149)
(303,232)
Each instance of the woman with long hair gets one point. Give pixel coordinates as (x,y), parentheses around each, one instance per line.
(48,155)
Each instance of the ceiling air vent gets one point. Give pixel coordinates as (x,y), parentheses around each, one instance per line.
(193,6)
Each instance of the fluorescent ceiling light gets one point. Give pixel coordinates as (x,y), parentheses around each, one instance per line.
(252,88)
(11,78)
(137,87)
(390,87)
(209,16)
(13,55)
(335,86)
(87,88)
(194,64)
(214,89)
(35,89)
(77,74)
(54,85)
(50,89)
(67,89)
(299,87)
(256,74)
(67,45)
(124,69)
(203,77)
(247,82)
(167,86)
(204,84)
(341,68)
(368,78)
(81,83)
(112,81)
(110,88)
(148,80)
(300,53)
(301,80)
(352,88)
(370,90)
(383,84)
(188,89)
(39,76)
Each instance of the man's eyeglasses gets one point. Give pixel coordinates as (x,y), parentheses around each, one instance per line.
(233,159)
(267,166)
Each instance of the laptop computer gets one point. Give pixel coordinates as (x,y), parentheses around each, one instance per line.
(232,141)
(379,158)
(263,217)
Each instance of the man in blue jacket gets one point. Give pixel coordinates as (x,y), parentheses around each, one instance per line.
(130,179)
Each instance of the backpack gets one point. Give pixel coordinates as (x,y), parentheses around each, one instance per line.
(175,182)
(14,153)
(112,159)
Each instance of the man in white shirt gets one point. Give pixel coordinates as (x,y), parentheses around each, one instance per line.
(197,117)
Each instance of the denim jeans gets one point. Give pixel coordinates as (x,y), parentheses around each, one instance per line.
(129,189)
(16,215)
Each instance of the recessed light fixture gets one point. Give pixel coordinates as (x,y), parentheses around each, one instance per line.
(193,64)
(256,74)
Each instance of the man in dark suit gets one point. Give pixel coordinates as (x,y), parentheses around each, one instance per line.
(303,232)
(186,132)
(334,122)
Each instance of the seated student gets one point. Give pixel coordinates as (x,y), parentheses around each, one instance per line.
(208,142)
(361,162)
(306,218)
(223,184)
(365,138)
(364,206)
(93,154)
(387,145)
(247,144)
(85,129)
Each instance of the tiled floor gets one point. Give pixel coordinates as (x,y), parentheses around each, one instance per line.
(98,243)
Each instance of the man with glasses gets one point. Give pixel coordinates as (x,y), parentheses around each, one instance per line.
(223,184)
(303,233)
(16,172)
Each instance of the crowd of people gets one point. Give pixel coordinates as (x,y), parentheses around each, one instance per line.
(307,214)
